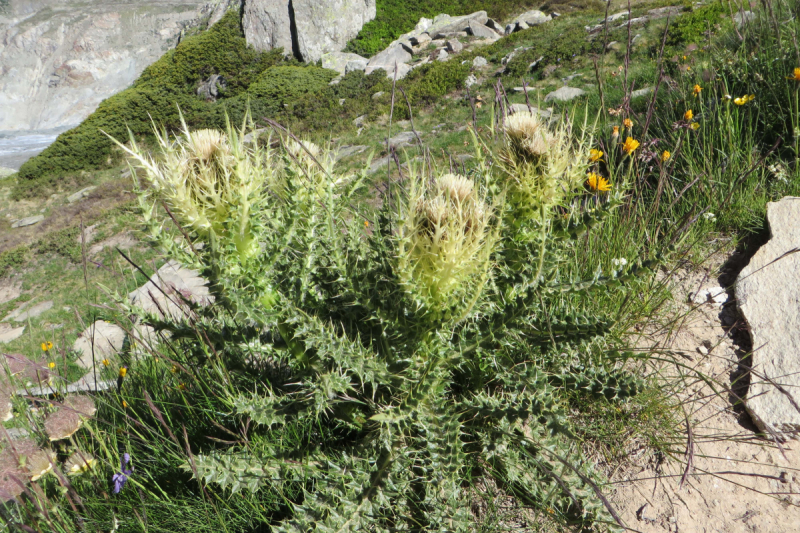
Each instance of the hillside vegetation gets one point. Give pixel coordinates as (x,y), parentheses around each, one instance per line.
(447,336)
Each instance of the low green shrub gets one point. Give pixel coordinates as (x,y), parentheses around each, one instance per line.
(697,26)
(64,242)
(13,259)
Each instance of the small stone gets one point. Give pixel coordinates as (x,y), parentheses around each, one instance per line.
(471,80)
(442,55)
(347,151)
(479,62)
(99,341)
(533,18)
(83,193)
(402,139)
(702,350)
(24,312)
(359,120)
(564,94)
(639,93)
(9,333)
(341,101)
(377,95)
(454,46)
(477,29)
(27,221)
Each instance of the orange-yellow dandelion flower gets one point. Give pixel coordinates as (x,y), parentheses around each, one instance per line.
(366,223)
(123,372)
(598,183)
(689,115)
(105,362)
(695,126)
(51,364)
(615,133)
(665,155)
(595,155)
(795,75)
(124,404)
(697,90)
(630,145)
(628,123)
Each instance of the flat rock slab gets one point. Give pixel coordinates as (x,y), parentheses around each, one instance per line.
(564,94)
(26,311)
(81,194)
(9,333)
(768,295)
(27,221)
(169,290)
(101,340)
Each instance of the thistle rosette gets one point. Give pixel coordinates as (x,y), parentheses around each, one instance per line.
(211,181)
(543,166)
(446,240)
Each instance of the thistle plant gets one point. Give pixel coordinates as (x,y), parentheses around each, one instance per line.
(405,347)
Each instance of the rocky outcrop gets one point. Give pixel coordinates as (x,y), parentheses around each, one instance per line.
(768,296)
(307,29)
(60,58)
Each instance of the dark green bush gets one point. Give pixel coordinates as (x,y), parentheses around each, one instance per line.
(693,27)
(63,242)
(550,44)
(13,258)
(282,85)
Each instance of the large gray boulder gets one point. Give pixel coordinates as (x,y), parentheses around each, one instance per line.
(327,25)
(307,29)
(768,296)
(267,25)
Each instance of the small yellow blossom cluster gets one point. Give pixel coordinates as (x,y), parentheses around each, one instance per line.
(742,100)
(688,116)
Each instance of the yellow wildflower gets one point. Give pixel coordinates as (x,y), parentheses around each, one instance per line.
(630,145)
(697,90)
(51,364)
(105,362)
(616,131)
(665,155)
(366,223)
(598,183)
(695,126)
(628,123)
(124,404)
(688,115)
(47,346)
(795,75)
(122,372)
(742,100)
(595,155)
(174,369)
(182,386)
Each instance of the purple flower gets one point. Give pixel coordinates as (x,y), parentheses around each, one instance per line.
(119,479)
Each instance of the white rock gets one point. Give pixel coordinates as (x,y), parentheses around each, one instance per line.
(169,289)
(83,193)
(454,45)
(715,295)
(471,80)
(564,94)
(479,62)
(26,311)
(768,295)
(101,340)
(443,55)
(9,333)
(27,221)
